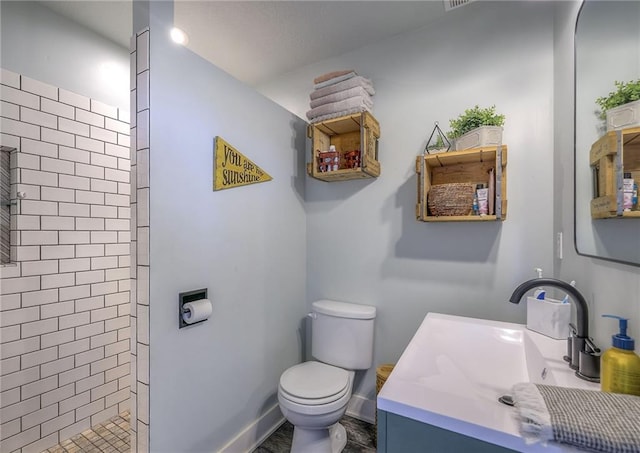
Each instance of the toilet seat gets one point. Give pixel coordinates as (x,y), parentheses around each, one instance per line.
(314,383)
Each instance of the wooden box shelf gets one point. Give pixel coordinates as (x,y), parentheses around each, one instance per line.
(615,153)
(356,132)
(468,166)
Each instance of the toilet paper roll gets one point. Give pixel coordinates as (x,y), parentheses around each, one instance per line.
(195,311)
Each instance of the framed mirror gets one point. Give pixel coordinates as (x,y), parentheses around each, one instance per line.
(607,49)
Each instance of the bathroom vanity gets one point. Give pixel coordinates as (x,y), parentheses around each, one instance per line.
(442,395)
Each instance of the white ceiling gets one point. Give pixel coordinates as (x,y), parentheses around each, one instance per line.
(256,41)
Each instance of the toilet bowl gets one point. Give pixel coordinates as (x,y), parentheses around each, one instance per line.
(314,395)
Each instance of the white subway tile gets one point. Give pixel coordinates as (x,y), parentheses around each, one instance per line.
(74,237)
(75,265)
(19,316)
(124,115)
(8,398)
(11,141)
(26,161)
(57,166)
(56,338)
(58,281)
(90,224)
(9,78)
(25,437)
(104,211)
(80,399)
(118,150)
(73,375)
(9,110)
(19,285)
(13,408)
(124,212)
(89,171)
(104,390)
(58,137)
(142,395)
(142,89)
(42,443)
(30,253)
(89,303)
(104,262)
(116,323)
(90,409)
(103,237)
(133,370)
(88,197)
(89,356)
(56,108)
(117,224)
(104,313)
(74,99)
(142,208)
(57,423)
(58,309)
(142,283)
(103,160)
(31,329)
(74,182)
(125,189)
(103,135)
(104,339)
(39,267)
(39,237)
(75,155)
(58,251)
(142,131)
(98,289)
(38,357)
(74,209)
(142,52)
(26,222)
(39,387)
(74,292)
(74,429)
(32,298)
(104,364)
(38,177)
(10,270)
(11,365)
(57,194)
(19,378)
(116,373)
(90,330)
(143,246)
(57,395)
(74,347)
(74,320)
(124,285)
(90,250)
(38,417)
(35,207)
(38,118)
(39,148)
(117,126)
(116,348)
(116,200)
(124,165)
(119,396)
(10,94)
(116,249)
(73,127)
(90,144)
(101,185)
(56,222)
(87,277)
(117,274)
(12,301)
(116,175)
(132,102)
(19,128)
(39,88)
(104,109)
(89,118)
(31,192)
(10,428)
(132,148)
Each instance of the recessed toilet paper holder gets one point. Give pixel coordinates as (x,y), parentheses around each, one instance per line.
(186,297)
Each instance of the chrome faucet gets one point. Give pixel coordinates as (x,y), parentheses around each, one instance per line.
(582,354)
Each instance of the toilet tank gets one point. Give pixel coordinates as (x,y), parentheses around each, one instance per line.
(342,334)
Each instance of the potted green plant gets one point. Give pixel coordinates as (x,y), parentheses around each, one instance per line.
(476,127)
(621,107)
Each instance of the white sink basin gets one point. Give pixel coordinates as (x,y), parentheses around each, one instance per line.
(455,368)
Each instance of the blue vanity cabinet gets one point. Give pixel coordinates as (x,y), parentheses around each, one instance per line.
(398,434)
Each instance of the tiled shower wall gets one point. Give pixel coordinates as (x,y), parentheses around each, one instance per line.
(64,301)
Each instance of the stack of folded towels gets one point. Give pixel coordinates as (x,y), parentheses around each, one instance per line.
(338,94)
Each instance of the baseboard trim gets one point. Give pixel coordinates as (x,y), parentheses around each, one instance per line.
(254,434)
(362,408)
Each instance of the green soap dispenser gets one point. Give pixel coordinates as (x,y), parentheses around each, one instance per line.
(620,366)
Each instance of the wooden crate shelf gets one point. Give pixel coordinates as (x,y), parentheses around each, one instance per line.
(359,131)
(615,153)
(468,166)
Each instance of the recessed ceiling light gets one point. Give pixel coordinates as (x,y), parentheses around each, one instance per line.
(179,36)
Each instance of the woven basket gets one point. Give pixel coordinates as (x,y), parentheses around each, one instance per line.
(382,373)
(450,199)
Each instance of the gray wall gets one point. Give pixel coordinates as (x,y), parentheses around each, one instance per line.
(246,245)
(364,244)
(48,47)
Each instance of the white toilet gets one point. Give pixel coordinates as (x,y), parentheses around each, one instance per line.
(314,395)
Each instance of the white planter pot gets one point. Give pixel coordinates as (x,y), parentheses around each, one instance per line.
(623,116)
(479,137)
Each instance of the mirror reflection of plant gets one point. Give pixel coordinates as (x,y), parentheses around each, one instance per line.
(624,93)
(474,118)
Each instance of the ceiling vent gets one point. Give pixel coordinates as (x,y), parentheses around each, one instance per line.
(453,4)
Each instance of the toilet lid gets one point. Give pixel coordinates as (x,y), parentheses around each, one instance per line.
(315,381)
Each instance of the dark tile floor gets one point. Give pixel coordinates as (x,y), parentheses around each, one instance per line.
(360,438)
(111,436)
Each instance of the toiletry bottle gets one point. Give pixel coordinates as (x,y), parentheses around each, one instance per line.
(539,293)
(620,366)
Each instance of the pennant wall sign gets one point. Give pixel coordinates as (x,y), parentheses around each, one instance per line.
(233,169)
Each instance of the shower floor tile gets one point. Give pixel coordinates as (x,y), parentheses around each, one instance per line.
(111,436)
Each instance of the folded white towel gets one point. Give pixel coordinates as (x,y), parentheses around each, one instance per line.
(344,85)
(340,96)
(335,80)
(345,112)
(333,107)
(599,421)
